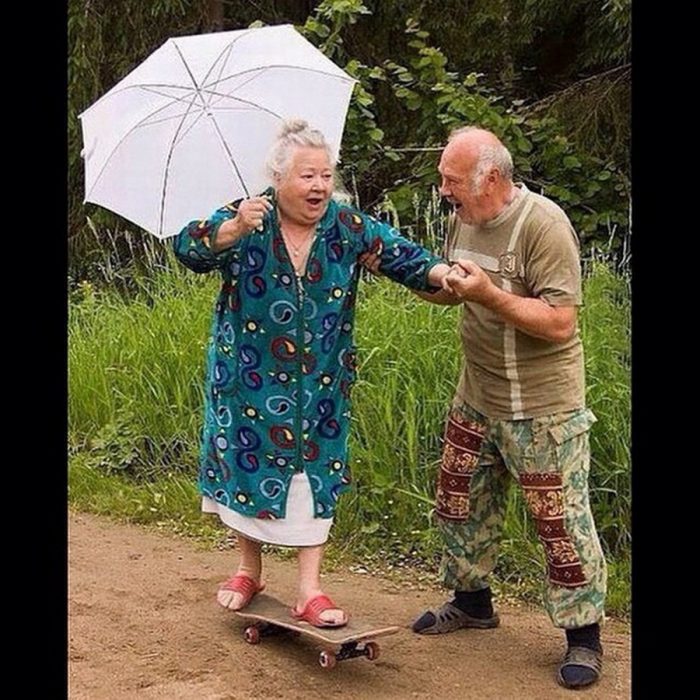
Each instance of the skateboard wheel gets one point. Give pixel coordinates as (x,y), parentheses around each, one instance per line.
(371,650)
(327,659)
(252,635)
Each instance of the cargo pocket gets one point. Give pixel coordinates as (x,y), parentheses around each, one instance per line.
(570,449)
(573,426)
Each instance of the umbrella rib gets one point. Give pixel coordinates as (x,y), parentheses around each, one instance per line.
(205,95)
(167,166)
(190,127)
(229,48)
(198,92)
(174,98)
(201,113)
(145,122)
(206,105)
(226,49)
(220,58)
(238,87)
(282,65)
(126,135)
(251,107)
(243,108)
(247,102)
(261,69)
(144,86)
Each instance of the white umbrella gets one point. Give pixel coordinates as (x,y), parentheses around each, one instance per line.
(190,128)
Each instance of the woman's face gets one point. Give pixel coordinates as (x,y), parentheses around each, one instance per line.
(304,192)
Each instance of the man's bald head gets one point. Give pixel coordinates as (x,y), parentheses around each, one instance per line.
(484,148)
(477,174)
(474,134)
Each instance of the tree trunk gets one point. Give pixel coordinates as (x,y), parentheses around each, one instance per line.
(215,15)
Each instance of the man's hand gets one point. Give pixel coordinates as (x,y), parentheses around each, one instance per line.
(469,282)
(531,315)
(371,262)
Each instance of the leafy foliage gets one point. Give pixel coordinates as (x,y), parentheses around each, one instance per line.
(411,93)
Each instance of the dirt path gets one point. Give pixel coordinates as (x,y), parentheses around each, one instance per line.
(143,623)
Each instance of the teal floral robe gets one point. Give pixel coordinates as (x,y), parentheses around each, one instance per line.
(281,359)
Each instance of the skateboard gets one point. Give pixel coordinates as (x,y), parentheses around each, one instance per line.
(266,615)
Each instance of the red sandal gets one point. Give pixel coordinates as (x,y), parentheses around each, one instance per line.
(243,584)
(313,609)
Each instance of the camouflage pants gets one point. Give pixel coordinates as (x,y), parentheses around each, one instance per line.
(549,458)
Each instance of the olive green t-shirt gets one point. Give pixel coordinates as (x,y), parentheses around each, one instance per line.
(529,249)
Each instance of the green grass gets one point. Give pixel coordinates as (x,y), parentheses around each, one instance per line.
(142,357)
(171,500)
(136,364)
(605,327)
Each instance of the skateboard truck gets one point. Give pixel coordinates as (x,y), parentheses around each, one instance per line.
(327,658)
(349,650)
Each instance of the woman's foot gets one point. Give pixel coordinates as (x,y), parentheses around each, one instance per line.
(238,591)
(319,610)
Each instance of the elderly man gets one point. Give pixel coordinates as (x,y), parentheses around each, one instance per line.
(519,409)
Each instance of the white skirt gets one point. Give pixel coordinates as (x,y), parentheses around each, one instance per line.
(298,528)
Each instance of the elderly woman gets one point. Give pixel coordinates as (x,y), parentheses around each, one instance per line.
(281,360)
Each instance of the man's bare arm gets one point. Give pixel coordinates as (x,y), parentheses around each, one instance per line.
(533,316)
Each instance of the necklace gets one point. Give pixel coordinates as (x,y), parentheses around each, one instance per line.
(296,249)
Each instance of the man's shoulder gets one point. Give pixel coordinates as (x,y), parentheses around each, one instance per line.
(546,223)
(545,210)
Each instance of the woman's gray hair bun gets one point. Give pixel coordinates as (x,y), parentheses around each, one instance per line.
(292,134)
(293,126)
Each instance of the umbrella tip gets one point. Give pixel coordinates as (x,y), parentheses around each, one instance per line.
(87,152)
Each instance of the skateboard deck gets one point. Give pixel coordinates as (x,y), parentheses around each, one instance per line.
(268,615)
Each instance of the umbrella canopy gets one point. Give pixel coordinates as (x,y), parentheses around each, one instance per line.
(190,128)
